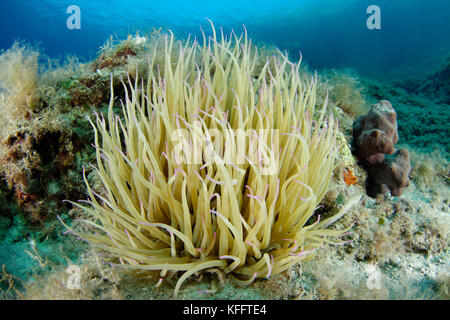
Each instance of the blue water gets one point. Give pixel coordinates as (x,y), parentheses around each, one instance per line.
(330,33)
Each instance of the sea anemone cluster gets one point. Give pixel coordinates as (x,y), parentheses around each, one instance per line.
(213,163)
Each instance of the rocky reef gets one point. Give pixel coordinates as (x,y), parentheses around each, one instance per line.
(398,243)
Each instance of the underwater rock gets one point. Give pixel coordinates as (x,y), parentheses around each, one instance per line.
(435,86)
(374,137)
(119,58)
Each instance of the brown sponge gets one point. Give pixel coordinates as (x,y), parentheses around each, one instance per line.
(374,137)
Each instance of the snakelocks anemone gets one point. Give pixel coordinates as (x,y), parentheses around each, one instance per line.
(214,163)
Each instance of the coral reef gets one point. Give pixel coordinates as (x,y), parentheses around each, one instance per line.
(375,135)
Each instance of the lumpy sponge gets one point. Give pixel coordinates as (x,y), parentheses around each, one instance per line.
(374,137)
